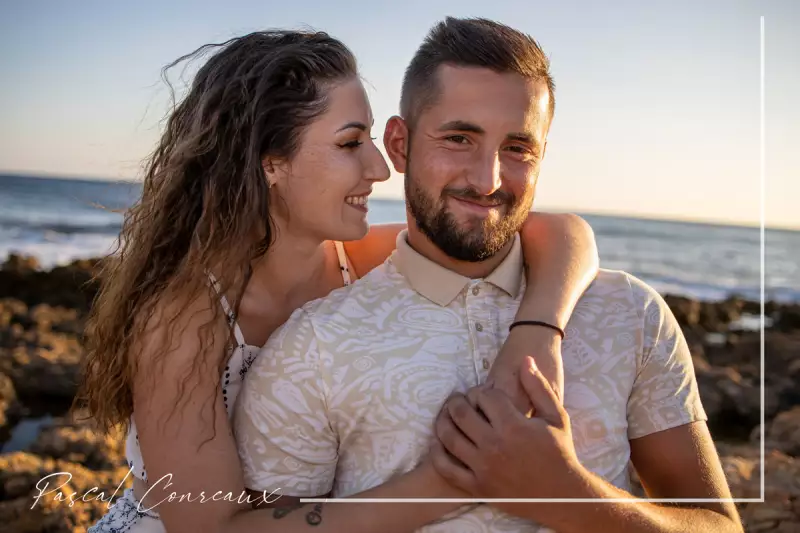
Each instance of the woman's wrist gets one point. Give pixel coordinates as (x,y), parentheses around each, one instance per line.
(433,484)
(535,337)
(544,310)
(543,343)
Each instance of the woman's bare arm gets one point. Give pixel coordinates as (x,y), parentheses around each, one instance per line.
(291,516)
(371,251)
(191,451)
(561,261)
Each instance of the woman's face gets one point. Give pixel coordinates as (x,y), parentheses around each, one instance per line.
(322,192)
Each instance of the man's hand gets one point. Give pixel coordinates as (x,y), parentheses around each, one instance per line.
(503,454)
(493,452)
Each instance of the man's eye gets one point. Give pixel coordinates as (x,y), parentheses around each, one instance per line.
(459,139)
(518,149)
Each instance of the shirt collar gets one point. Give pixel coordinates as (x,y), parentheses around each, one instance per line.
(440,285)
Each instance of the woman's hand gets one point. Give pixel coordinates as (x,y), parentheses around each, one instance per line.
(544,345)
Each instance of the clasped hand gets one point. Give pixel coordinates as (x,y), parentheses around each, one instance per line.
(489,447)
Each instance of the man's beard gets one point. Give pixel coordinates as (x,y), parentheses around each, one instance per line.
(473,242)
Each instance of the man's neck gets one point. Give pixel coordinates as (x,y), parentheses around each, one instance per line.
(421,244)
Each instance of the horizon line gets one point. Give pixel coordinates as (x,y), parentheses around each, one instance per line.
(551,209)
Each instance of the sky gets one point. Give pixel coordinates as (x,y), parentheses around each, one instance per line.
(658,103)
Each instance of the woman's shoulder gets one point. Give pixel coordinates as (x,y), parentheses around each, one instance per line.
(180,324)
(373,250)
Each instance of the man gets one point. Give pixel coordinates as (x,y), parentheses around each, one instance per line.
(360,376)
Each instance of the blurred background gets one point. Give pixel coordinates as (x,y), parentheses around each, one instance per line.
(657,117)
(656,141)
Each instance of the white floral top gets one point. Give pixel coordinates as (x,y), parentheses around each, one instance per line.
(241,357)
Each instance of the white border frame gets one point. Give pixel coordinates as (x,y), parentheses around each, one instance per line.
(636,500)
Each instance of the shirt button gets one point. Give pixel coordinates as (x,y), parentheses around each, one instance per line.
(479,326)
(475,290)
(485,364)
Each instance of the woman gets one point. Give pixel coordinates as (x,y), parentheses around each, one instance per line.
(216,255)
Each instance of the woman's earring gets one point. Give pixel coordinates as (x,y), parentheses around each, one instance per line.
(269,170)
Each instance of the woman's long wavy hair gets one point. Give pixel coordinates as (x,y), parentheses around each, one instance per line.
(205,198)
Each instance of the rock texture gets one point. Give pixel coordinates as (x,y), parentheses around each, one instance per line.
(42,316)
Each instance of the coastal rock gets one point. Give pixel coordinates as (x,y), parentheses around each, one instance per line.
(70,286)
(10,309)
(741,465)
(686,310)
(732,402)
(783,433)
(745,348)
(41,351)
(43,364)
(716,316)
(702,317)
(780,511)
(9,407)
(709,317)
(75,439)
(42,317)
(788,318)
(21,264)
(56,319)
(12,314)
(20,511)
(741,352)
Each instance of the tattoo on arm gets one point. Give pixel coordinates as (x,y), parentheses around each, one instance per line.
(313,517)
(281,512)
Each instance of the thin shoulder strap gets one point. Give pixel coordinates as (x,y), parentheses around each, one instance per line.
(343,262)
(228,311)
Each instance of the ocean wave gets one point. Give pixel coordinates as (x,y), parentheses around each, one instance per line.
(80,226)
(60,250)
(711,293)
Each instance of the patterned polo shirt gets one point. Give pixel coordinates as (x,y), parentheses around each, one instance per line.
(344,395)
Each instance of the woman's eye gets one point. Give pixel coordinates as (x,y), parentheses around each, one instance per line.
(352,144)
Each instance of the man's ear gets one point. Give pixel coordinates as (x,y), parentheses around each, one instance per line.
(395,140)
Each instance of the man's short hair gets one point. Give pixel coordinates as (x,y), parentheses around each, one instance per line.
(470,42)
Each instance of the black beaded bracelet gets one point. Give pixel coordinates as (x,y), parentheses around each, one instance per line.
(536,323)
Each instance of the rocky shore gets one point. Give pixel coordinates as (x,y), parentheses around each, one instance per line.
(42,315)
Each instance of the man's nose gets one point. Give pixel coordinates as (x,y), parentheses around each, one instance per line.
(486,178)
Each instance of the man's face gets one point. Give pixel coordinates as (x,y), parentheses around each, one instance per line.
(472,159)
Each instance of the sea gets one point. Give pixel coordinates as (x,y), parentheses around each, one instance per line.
(59,220)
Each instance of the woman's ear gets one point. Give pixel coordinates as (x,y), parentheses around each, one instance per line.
(273,170)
